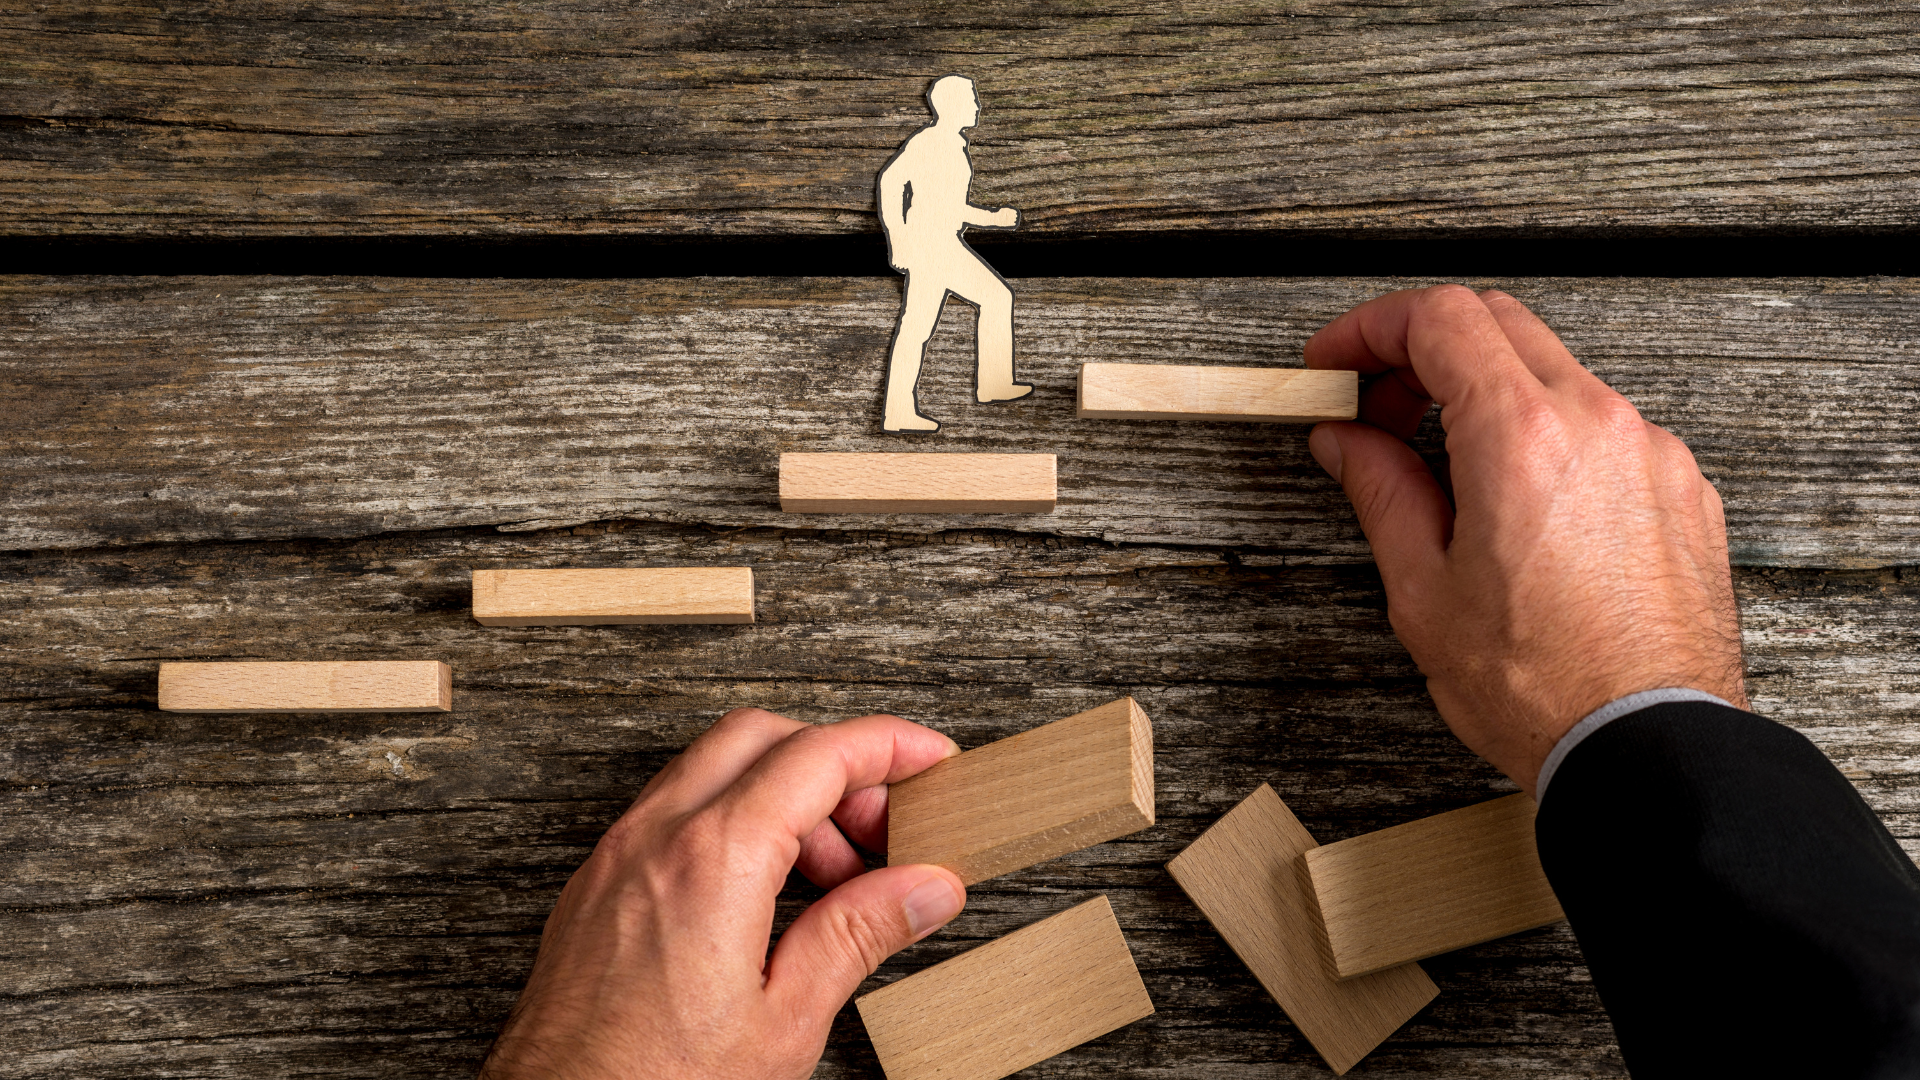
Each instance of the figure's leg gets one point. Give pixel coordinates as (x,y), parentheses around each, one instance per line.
(993,336)
(919,312)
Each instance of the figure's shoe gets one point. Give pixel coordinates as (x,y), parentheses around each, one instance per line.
(913,423)
(1011,392)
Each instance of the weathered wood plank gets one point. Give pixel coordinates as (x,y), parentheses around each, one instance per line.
(141,410)
(563,117)
(215,895)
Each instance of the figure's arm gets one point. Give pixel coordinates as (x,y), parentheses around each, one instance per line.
(655,963)
(1742,910)
(1004,218)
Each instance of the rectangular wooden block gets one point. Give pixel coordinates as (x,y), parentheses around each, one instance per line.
(1244,873)
(1010,1003)
(1179,392)
(677,594)
(917,483)
(1042,793)
(308,686)
(1431,886)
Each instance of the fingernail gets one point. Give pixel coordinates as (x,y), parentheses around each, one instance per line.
(1325,448)
(931,905)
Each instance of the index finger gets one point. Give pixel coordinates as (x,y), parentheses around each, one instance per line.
(1444,335)
(796,785)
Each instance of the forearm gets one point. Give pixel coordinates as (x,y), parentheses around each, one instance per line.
(1741,908)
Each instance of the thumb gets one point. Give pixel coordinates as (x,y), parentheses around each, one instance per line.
(843,937)
(1401,508)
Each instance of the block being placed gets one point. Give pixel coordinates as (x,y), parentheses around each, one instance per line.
(1010,1003)
(1245,874)
(1179,392)
(678,594)
(917,483)
(1431,886)
(308,686)
(1042,793)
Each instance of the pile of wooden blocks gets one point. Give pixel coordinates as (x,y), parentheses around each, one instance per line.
(1333,933)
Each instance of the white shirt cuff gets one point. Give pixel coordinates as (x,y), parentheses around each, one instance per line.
(1607,714)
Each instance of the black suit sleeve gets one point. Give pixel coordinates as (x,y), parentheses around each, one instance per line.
(1742,910)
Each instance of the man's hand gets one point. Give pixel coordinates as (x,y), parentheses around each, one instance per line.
(1582,556)
(654,963)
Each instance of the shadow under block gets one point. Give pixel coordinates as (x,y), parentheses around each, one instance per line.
(678,594)
(1010,1003)
(1244,874)
(1178,392)
(1431,886)
(1042,793)
(308,686)
(921,483)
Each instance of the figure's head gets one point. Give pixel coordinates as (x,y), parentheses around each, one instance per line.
(953,101)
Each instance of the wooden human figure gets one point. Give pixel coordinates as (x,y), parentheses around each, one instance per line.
(924,209)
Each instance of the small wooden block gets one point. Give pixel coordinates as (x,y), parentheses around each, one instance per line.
(1245,875)
(1175,392)
(917,483)
(1010,1003)
(680,594)
(1432,886)
(313,686)
(1042,793)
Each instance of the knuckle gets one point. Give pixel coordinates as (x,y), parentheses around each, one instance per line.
(868,941)
(747,718)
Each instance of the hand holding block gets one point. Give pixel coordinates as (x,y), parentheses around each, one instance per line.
(1042,793)
(1010,1003)
(1244,874)
(679,594)
(315,686)
(1175,392)
(917,483)
(1432,886)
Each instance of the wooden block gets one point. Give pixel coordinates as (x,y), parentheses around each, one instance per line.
(315,686)
(678,594)
(1042,793)
(1246,876)
(1431,886)
(1177,392)
(917,483)
(1010,1003)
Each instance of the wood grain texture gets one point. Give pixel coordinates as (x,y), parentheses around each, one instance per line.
(1041,794)
(569,118)
(307,686)
(1188,392)
(1245,873)
(1431,886)
(615,596)
(145,410)
(1010,1003)
(917,483)
(222,896)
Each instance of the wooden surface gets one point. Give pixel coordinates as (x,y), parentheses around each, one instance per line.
(917,483)
(1035,796)
(615,596)
(568,118)
(303,686)
(223,896)
(1245,874)
(1431,886)
(163,410)
(1010,1003)
(1190,392)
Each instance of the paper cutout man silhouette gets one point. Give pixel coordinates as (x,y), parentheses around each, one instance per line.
(924,209)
